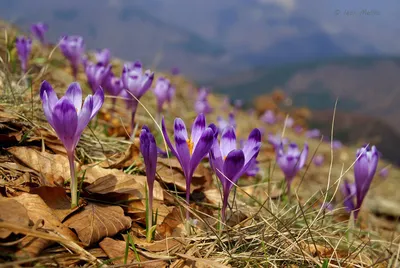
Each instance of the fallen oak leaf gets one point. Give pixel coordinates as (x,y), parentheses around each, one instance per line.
(55,198)
(96,221)
(38,211)
(125,159)
(54,168)
(115,249)
(12,212)
(171,172)
(105,181)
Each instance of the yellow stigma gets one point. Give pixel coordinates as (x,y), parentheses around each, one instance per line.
(190,145)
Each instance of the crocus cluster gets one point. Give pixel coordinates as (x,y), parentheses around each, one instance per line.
(96,73)
(201,105)
(268,117)
(24,47)
(69,118)
(291,161)
(39,30)
(230,163)
(136,83)
(73,48)
(164,92)
(148,148)
(190,151)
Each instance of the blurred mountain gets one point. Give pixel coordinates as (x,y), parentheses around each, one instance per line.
(366,85)
(209,39)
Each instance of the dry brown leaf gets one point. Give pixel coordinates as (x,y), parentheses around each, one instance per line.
(171,172)
(55,198)
(13,212)
(39,211)
(115,249)
(54,168)
(96,221)
(171,221)
(105,181)
(125,159)
(167,245)
(202,263)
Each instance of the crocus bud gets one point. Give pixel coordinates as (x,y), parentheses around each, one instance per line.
(103,56)
(24,46)
(364,170)
(38,30)
(268,117)
(318,160)
(73,47)
(96,73)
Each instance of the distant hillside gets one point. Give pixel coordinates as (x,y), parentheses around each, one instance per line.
(367,85)
(353,128)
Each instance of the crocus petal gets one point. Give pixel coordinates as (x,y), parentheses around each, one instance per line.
(74,94)
(167,140)
(51,94)
(202,148)
(98,100)
(252,146)
(198,127)
(84,117)
(46,109)
(181,143)
(232,166)
(65,120)
(228,141)
(303,157)
(216,160)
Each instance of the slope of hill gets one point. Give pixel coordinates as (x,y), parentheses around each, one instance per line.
(367,85)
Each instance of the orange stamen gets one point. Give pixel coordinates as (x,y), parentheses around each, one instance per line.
(190,145)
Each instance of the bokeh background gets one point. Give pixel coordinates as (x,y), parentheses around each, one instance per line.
(315,51)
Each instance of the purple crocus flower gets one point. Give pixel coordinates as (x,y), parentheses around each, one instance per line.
(38,30)
(298,129)
(175,71)
(96,73)
(384,172)
(113,86)
(318,160)
(164,92)
(103,56)
(148,148)
(201,105)
(24,47)
(276,140)
(364,171)
(268,117)
(291,161)
(136,83)
(336,144)
(190,151)
(222,123)
(313,134)
(349,192)
(230,163)
(69,118)
(238,104)
(73,47)
(289,122)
